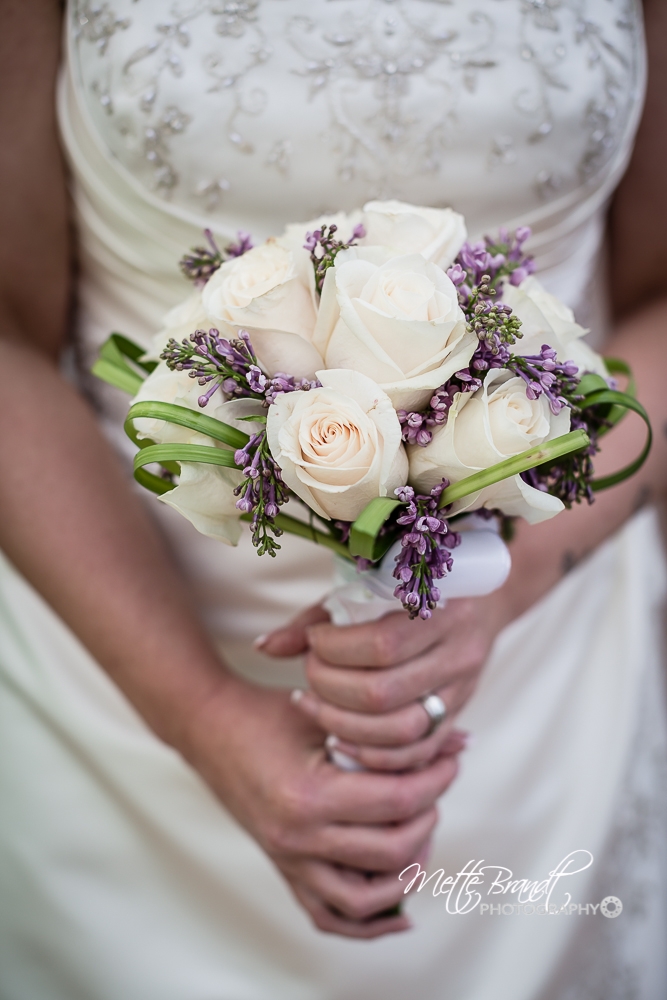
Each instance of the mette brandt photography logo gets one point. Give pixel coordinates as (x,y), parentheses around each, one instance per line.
(493,891)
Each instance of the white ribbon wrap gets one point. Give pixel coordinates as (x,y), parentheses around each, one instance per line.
(481,565)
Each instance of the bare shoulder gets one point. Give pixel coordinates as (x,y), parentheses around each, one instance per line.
(34,238)
(638,227)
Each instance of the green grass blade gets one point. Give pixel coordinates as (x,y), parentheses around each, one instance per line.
(153,483)
(539,455)
(112,366)
(364,531)
(120,376)
(203,454)
(185,417)
(620,401)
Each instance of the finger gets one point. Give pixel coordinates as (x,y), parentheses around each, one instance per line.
(364,797)
(383,848)
(392,640)
(389,729)
(391,688)
(331,923)
(441,742)
(354,894)
(293,638)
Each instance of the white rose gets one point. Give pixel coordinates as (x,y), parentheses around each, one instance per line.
(179,323)
(436,233)
(484,428)
(205,497)
(547,320)
(204,494)
(338,446)
(262,292)
(396,320)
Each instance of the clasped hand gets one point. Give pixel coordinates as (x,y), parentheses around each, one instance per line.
(365,681)
(342,839)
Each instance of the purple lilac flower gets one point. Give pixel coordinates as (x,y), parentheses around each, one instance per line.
(323,248)
(261,493)
(499,259)
(546,376)
(229,365)
(201,262)
(425,554)
(242,246)
(416,425)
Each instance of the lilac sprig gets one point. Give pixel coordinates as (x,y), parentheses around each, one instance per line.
(425,554)
(498,260)
(201,262)
(416,425)
(324,247)
(546,376)
(273,386)
(261,493)
(228,365)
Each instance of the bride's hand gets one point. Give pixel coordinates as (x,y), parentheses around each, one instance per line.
(365,680)
(323,828)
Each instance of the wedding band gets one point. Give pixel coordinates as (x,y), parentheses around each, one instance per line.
(436,710)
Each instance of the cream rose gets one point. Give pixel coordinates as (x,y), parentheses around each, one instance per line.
(205,493)
(338,446)
(547,320)
(484,428)
(262,292)
(436,233)
(179,323)
(396,320)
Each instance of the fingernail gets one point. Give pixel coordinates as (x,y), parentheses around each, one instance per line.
(331,742)
(469,739)
(260,641)
(296,696)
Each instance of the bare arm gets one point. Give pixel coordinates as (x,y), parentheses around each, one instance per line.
(78,533)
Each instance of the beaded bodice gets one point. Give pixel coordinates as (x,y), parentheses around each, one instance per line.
(257,112)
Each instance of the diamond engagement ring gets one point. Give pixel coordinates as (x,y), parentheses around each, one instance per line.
(436,710)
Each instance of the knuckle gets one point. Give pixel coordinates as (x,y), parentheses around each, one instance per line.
(404,799)
(412,726)
(399,854)
(377,694)
(385,645)
(294,807)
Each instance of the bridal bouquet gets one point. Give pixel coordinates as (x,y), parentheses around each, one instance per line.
(381,376)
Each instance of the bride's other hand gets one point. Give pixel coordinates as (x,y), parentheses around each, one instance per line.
(365,681)
(325,829)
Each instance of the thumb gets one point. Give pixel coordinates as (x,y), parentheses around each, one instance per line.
(292,639)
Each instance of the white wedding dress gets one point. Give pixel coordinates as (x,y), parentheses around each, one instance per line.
(121,877)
